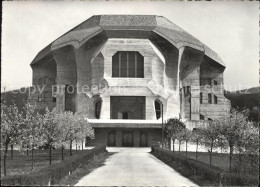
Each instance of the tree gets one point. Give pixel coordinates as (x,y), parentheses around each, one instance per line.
(173,127)
(51,130)
(82,129)
(12,126)
(34,128)
(211,134)
(247,149)
(232,129)
(197,137)
(181,137)
(66,129)
(187,136)
(73,127)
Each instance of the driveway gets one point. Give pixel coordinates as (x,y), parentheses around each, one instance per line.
(134,167)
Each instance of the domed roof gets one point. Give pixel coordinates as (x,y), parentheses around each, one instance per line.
(119,23)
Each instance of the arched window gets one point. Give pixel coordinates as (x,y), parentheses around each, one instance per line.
(158,110)
(128,64)
(98,109)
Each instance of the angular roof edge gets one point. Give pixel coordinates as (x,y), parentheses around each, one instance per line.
(97,23)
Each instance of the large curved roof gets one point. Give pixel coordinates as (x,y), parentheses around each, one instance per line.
(151,23)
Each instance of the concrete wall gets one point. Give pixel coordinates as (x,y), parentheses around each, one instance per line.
(213,72)
(189,75)
(167,72)
(151,85)
(44,77)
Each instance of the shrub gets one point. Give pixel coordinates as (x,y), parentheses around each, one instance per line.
(53,174)
(195,167)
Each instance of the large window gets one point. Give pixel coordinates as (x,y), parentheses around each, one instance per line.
(128,64)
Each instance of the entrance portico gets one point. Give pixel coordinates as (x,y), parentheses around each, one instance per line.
(126,133)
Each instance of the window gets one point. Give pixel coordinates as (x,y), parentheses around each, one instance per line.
(54,99)
(128,64)
(215,82)
(98,109)
(202,117)
(215,99)
(209,98)
(201,97)
(187,90)
(209,119)
(158,111)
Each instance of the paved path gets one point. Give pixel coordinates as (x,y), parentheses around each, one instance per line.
(134,167)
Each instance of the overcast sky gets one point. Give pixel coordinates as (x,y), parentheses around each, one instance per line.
(229,28)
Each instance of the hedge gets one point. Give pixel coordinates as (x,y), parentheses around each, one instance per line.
(194,167)
(53,174)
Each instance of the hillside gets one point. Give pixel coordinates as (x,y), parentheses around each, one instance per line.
(246,99)
(19,97)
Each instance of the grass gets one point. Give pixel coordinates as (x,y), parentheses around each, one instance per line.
(22,164)
(82,171)
(220,160)
(204,174)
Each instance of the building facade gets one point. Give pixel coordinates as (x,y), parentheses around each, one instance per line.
(125,73)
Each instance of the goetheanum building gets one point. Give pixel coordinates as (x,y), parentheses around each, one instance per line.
(124,73)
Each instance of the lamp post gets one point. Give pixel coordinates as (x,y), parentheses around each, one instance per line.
(162,129)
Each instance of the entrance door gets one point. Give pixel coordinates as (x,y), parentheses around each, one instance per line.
(111,139)
(143,139)
(127,139)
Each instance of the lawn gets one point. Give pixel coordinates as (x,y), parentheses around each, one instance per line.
(220,160)
(22,164)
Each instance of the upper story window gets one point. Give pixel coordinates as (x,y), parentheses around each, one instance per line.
(98,108)
(158,109)
(209,98)
(215,99)
(128,64)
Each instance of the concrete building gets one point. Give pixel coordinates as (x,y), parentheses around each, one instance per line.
(125,72)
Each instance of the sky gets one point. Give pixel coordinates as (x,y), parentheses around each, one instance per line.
(229,28)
